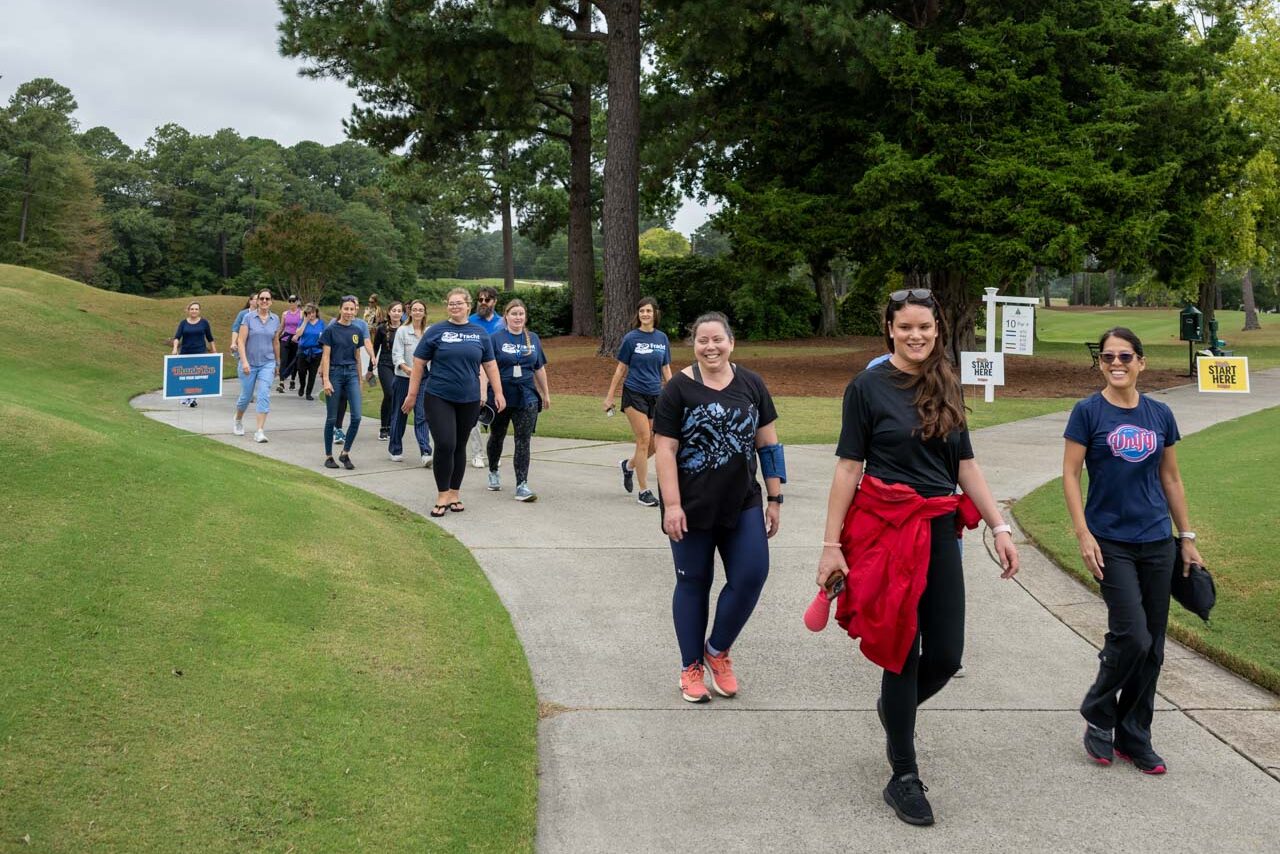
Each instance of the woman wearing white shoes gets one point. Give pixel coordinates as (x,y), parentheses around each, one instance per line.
(259,349)
(714,418)
(644,364)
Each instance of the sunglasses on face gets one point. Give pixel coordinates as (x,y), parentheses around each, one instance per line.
(1112,358)
(923,296)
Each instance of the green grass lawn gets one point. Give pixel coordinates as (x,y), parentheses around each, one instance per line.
(203,648)
(1229,470)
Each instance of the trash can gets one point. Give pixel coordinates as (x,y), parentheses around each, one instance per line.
(1191,324)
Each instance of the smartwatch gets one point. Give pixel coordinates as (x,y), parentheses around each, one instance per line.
(776,499)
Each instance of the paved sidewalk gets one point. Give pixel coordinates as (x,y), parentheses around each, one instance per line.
(796,762)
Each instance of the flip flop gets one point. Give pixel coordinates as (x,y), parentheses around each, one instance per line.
(456,507)
(439,510)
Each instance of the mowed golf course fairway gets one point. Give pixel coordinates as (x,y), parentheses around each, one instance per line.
(203,649)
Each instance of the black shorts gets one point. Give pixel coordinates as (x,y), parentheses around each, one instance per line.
(646,403)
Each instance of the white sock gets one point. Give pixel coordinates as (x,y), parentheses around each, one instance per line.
(712,651)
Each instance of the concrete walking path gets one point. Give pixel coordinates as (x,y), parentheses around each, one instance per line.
(796,762)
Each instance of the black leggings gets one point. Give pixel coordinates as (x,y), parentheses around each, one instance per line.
(451,423)
(525,419)
(935,655)
(308,366)
(289,356)
(387,379)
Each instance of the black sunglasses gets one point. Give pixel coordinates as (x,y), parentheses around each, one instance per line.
(921,295)
(1123,358)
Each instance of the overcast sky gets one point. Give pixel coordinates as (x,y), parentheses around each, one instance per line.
(134,65)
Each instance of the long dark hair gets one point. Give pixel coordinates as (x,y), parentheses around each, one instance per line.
(939,401)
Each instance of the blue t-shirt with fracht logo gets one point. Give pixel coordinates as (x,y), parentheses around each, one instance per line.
(513,350)
(1123,449)
(455,351)
(644,354)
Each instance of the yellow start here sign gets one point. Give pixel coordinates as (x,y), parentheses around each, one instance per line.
(1228,374)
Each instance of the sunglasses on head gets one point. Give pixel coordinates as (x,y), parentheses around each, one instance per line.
(920,295)
(1122,358)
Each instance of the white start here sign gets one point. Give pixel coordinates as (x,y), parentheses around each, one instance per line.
(982,369)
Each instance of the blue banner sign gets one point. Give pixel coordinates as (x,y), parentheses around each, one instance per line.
(193,376)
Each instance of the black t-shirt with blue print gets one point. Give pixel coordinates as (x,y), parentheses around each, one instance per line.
(716,457)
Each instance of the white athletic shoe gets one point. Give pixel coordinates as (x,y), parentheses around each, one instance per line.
(426,461)
(260,437)
(396,458)
(238,428)
(478,461)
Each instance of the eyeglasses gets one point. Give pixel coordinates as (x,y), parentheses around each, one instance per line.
(264,299)
(1122,358)
(487,299)
(921,295)
(457,304)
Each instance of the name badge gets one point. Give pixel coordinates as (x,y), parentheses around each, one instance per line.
(515,372)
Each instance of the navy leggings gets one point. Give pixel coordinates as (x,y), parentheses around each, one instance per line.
(744,551)
(450,423)
(935,655)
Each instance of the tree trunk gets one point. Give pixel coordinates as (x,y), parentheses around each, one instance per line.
(621,173)
(1207,302)
(1250,307)
(504,202)
(957,303)
(222,253)
(582,256)
(1111,287)
(26,200)
(1048,286)
(820,271)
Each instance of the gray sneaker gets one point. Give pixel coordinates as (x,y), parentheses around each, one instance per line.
(495,481)
(238,428)
(524,493)
(647,498)
(426,461)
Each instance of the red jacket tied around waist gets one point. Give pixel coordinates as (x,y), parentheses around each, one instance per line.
(885,541)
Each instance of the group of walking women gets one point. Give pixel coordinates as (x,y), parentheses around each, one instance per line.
(905,484)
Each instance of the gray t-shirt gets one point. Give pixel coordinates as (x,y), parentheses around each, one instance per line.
(258,348)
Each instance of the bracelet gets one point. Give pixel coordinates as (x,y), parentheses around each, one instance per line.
(830,545)
(1002,529)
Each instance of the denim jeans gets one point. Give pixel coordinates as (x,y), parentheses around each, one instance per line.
(399,420)
(346,390)
(261,378)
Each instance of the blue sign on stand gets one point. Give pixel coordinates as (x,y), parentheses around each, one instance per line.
(193,376)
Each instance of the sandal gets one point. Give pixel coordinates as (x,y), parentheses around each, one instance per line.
(456,507)
(439,510)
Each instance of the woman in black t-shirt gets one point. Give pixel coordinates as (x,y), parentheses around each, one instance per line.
(711,419)
(904,425)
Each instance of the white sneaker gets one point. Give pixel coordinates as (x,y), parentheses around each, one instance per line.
(426,461)
(478,461)
(260,437)
(238,428)
(396,458)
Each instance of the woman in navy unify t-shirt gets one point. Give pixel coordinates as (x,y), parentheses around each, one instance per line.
(193,337)
(644,364)
(457,350)
(1126,439)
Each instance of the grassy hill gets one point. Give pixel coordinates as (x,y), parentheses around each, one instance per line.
(207,649)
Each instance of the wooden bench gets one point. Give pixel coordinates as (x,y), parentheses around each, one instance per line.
(1094,349)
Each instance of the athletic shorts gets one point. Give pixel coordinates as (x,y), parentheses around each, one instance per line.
(646,403)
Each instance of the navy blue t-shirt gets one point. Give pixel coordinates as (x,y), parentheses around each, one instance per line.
(1123,449)
(343,342)
(455,351)
(523,351)
(192,337)
(644,354)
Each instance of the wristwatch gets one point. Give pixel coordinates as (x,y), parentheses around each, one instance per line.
(777,499)
(1187,535)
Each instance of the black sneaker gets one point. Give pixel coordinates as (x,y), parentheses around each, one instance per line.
(1147,761)
(628,476)
(346,462)
(384,433)
(1098,744)
(309,397)
(647,498)
(329,463)
(906,795)
(194,403)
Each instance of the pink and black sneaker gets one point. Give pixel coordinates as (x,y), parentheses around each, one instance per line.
(1148,762)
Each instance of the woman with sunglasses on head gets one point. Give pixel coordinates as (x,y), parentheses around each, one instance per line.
(713,419)
(259,340)
(458,350)
(406,341)
(309,349)
(522,365)
(384,335)
(904,447)
(290,321)
(365,364)
(193,337)
(644,364)
(1126,439)
(342,343)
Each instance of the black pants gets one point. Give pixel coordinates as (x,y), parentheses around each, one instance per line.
(289,357)
(308,367)
(935,655)
(524,418)
(386,379)
(451,424)
(1135,585)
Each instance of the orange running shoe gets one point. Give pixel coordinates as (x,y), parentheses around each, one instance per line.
(722,678)
(692,685)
